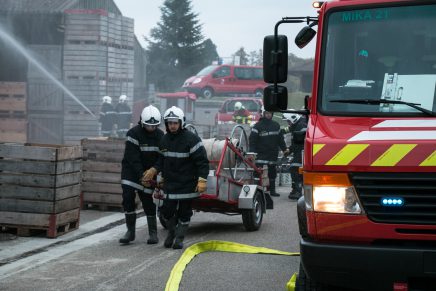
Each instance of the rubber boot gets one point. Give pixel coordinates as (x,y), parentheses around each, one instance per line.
(152,230)
(171,226)
(272,188)
(131,225)
(181,229)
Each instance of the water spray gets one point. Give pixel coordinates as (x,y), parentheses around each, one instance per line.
(19,47)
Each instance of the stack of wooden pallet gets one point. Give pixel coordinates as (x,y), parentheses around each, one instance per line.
(45,99)
(13,123)
(98,61)
(101,177)
(40,188)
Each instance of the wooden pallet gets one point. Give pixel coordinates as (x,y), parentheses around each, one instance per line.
(30,224)
(40,187)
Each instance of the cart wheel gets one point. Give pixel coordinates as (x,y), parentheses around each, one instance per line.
(252,218)
(240,135)
(191,128)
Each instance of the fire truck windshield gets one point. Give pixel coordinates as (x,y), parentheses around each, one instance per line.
(379,54)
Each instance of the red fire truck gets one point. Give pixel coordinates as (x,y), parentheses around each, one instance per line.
(367,217)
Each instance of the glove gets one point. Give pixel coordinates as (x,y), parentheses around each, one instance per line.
(286,152)
(201,185)
(148,176)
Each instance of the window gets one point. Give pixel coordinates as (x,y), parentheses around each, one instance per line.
(379,54)
(222,72)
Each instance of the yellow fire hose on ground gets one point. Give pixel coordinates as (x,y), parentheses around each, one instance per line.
(219,246)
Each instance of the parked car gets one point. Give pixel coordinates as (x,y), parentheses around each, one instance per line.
(226,79)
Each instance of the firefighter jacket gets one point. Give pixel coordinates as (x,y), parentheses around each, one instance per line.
(265,140)
(124,116)
(183,160)
(140,153)
(107,117)
(298,131)
(242,116)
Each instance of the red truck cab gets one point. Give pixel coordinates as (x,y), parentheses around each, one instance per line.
(367,217)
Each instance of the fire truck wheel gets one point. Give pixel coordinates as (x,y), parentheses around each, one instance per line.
(303,282)
(252,218)
(207,93)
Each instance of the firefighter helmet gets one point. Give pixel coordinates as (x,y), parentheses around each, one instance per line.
(150,116)
(238,106)
(292,117)
(123,98)
(107,99)
(175,114)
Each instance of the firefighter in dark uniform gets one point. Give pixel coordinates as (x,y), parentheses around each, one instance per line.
(107,116)
(124,116)
(141,153)
(265,140)
(184,167)
(297,127)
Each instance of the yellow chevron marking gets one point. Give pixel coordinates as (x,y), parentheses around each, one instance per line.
(317,147)
(393,155)
(430,160)
(347,154)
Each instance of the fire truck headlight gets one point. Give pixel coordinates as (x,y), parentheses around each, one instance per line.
(335,199)
(196,81)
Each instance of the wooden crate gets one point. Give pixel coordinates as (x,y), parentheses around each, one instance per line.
(40,188)
(101,177)
(13,130)
(13,100)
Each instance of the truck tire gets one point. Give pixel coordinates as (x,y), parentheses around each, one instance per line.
(252,218)
(207,93)
(304,283)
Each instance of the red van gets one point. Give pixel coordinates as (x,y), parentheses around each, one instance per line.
(226,79)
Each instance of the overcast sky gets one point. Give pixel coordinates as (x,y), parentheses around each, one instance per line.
(230,24)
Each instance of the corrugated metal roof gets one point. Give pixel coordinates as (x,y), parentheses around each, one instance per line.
(51,6)
(55,6)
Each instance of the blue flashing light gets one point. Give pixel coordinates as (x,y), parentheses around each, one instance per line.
(392,201)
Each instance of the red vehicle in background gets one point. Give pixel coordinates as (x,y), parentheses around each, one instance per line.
(226,79)
(225,114)
(224,118)
(367,218)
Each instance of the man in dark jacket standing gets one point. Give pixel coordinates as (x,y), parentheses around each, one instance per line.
(184,167)
(140,154)
(297,127)
(265,140)
(107,116)
(124,116)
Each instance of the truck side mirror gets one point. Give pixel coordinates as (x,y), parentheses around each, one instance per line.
(275,100)
(275,62)
(304,36)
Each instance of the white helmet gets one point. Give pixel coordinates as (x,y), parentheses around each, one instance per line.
(150,116)
(238,106)
(262,110)
(107,99)
(123,98)
(292,117)
(174,114)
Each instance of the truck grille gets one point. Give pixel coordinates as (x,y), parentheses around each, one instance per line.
(417,189)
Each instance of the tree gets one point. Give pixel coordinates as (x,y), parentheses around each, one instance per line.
(255,58)
(243,56)
(176,49)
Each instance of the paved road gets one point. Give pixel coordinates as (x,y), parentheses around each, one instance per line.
(98,262)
